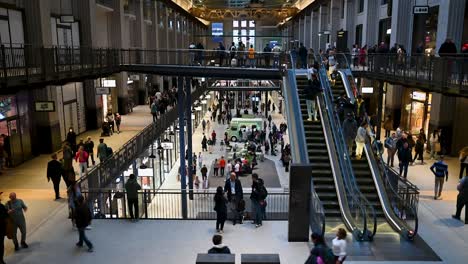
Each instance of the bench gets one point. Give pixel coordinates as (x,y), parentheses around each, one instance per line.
(260,259)
(216,259)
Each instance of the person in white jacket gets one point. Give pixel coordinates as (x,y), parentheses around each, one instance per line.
(339,246)
(361,139)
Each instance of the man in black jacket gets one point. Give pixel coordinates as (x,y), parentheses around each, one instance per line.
(89,147)
(312,90)
(218,247)
(462,199)
(54,172)
(404,156)
(3,217)
(233,188)
(83,219)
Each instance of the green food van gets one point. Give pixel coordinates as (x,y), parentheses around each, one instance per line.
(242,124)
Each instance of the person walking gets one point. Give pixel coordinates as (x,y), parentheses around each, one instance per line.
(339,246)
(321,253)
(233,188)
(215,168)
(258,196)
(73,193)
(154,111)
(82,158)
(228,169)
(204,172)
(463,162)
(350,129)
(388,126)
(200,159)
(220,209)
(54,173)
(203,125)
(111,120)
(440,170)
(132,187)
(118,121)
(404,157)
(462,199)
(89,148)
(419,149)
(360,139)
(16,209)
(83,219)
(218,247)
(67,158)
(303,56)
(204,143)
(222,165)
(390,145)
(102,150)
(3,220)
(434,143)
(71,139)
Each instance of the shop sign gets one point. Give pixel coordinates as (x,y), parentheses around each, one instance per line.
(167,145)
(102,90)
(198,108)
(419,96)
(420,9)
(367,90)
(109,83)
(67,19)
(44,106)
(134,77)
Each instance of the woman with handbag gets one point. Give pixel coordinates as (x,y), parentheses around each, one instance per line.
(3,229)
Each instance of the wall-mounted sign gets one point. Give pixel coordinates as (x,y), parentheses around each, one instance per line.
(109,83)
(420,9)
(44,106)
(203,102)
(67,19)
(134,77)
(367,90)
(217,32)
(167,145)
(102,90)
(198,108)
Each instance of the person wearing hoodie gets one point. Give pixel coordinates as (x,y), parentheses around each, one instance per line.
(132,187)
(218,247)
(220,209)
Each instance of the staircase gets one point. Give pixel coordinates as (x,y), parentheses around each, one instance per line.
(322,175)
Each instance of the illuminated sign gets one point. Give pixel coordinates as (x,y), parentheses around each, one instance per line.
(217,32)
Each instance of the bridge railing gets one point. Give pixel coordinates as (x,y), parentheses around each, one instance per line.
(444,73)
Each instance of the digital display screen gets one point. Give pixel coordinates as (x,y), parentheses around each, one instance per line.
(217,32)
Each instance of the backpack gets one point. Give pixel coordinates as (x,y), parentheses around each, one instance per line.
(262,193)
(328,256)
(109,151)
(388,143)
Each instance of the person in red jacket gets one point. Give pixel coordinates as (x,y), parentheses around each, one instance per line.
(82,158)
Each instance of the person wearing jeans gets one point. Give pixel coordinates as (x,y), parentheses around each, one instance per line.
(82,158)
(311,91)
(404,156)
(83,219)
(440,170)
(15,208)
(462,199)
(132,187)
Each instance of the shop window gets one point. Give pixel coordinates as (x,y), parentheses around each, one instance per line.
(360,6)
(358,39)
(251,23)
(243,23)
(65,34)
(11,28)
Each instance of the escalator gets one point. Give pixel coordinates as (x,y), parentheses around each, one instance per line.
(372,179)
(341,206)
(318,157)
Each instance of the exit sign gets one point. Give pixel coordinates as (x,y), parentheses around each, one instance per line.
(420,9)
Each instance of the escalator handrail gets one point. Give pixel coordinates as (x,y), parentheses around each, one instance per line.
(338,179)
(299,145)
(396,222)
(345,162)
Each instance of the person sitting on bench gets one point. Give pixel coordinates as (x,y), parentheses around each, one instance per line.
(218,247)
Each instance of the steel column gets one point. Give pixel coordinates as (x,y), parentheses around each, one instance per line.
(183,180)
(188,116)
(379,110)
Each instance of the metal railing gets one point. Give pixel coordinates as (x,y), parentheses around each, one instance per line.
(166,204)
(363,211)
(102,174)
(447,73)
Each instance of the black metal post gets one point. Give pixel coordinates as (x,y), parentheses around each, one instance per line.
(183,180)
(188,116)
(379,110)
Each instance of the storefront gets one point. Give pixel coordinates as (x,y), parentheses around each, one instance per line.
(425,30)
(15,136)
(417,110)
(71,108)
(107,100)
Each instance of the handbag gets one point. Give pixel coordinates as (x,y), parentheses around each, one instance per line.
(10,228)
